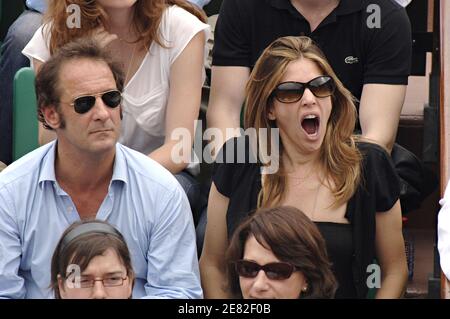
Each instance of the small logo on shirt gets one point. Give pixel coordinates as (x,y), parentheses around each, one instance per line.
(351,60)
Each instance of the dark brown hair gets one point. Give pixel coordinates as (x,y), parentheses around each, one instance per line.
(293,238)
(339,156)
(83,248)
(48,88)
(147,18)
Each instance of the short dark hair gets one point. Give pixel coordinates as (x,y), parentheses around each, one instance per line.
(293,238)
(47,80)
(83,248)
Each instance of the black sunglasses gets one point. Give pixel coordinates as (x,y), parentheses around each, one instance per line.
(290,92)
(83,104)
(274,271)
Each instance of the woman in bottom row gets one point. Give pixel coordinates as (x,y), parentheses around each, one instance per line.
(290,250)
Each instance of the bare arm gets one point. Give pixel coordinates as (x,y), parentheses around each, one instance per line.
(390,249)
(212,261)
(379,112)
(226,99)
(183,104)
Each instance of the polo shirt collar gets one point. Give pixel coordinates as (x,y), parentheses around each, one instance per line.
(344,7)
(48,166)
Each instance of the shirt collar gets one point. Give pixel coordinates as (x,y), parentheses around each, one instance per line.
(47,172)
(120,166)
(344,7)
(48,167)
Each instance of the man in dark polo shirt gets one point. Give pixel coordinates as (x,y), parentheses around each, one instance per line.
(367,42)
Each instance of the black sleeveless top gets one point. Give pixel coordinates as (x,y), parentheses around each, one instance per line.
(240,180)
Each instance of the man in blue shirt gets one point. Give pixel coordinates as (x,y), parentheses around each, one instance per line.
(86,174)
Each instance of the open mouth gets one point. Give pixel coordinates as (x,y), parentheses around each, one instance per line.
(310,124)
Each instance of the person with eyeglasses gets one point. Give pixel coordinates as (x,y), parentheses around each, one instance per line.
(343,183)
(278,253)
(161,45)
(86,174)
(92,261)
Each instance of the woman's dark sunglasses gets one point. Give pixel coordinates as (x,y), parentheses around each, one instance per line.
(274,271)
(83,104)
(290,92)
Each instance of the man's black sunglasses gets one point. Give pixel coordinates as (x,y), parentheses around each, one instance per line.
(290,92)
(83,104)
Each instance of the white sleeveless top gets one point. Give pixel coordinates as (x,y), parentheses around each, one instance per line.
(146,94)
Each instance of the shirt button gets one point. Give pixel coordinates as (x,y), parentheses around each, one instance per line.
(70,209)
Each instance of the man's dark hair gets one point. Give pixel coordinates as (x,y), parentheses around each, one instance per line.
(47,80)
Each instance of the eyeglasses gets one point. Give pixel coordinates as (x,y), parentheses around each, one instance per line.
(89,282)
(290,92)
(83,104)
(274,271)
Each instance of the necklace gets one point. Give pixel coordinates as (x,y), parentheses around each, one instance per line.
(311,170)
(313,213)
(303,177)
(316,196)
(130,64)
(300,180)
(125,41)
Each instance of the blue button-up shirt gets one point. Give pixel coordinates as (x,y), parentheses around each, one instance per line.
(38,5)
(144,201)
(200,3)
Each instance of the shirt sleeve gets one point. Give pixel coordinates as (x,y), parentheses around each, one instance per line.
(38,47)
(444,232)
(231,38)
(172,254)
(389,50)
(380,177)
(11,284)
(182,26)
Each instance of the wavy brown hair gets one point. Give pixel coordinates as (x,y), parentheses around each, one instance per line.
(339,156)
(293,238)
(147,18)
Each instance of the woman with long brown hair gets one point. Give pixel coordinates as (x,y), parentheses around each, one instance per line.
(349,188)
(161,45)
